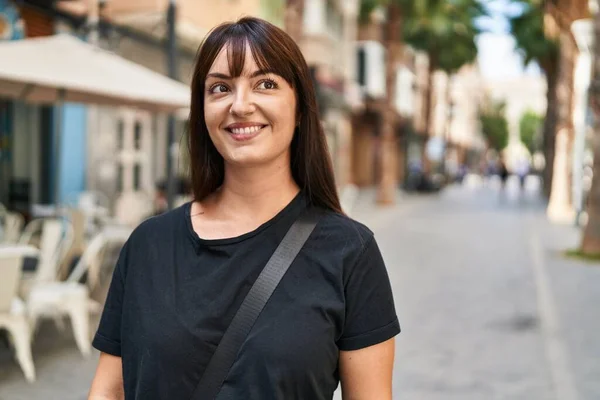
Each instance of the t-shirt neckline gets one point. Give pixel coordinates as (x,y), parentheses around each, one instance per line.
(297,202)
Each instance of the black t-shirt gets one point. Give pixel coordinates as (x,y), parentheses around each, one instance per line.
(173,295)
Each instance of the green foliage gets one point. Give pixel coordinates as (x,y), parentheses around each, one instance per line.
(446,31)
(530,129)
(494,125)
(580,255)
(366,8)
(528,31)
(408,7)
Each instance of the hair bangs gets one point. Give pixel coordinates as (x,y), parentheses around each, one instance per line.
(236,54)
(265,55)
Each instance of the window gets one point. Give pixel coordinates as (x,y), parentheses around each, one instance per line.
(120,178)
(313,17)
(120,135)
(370,71)
(333,19)
(362,67)
(137,136)
(137,169)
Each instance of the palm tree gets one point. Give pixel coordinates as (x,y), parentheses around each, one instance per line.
(591,236)
(445,31)
(561,14)
(528,31)
(389,150)
(386,193)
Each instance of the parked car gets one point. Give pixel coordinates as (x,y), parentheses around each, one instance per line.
(420,182)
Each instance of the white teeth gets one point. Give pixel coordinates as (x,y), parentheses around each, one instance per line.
(246,131)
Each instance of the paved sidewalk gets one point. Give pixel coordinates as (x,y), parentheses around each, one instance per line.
(488,306)
(62,372)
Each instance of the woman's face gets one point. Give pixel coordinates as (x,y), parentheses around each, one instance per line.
(251,118)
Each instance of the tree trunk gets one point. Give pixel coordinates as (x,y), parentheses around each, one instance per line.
(388,182)
(448,127)
(429,96)
(560,208)
(591,236)
(429,104)
(293,19)
(549,138)
(448,123)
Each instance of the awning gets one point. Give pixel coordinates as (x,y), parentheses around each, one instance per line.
(64,68)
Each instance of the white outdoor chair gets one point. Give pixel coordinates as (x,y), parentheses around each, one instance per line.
(13,316)
(93,205)
(11,230)
(55,240)
(90,261)
(57,299)
(77,242)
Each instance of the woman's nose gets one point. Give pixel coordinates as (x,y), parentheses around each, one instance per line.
(242,103)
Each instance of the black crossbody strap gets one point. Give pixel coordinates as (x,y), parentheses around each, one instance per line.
(235,335)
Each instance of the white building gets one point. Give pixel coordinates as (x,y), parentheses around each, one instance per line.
(526,93)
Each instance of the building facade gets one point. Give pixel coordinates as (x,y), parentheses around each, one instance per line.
(28,132)
(464,138)
(406,109)
(329,30)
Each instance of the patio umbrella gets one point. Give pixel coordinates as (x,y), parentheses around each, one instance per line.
(63,68)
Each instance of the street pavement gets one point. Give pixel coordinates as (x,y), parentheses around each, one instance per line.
(489,307)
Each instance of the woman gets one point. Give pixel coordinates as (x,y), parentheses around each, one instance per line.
(258,161)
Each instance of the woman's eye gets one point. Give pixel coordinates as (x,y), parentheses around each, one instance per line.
(267,84)
(219,88)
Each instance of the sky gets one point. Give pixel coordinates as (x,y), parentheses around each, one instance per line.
(498,59)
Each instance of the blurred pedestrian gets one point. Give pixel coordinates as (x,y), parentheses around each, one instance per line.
(259,163)
(522,171)
(503,173)
(161,204)
(463,170)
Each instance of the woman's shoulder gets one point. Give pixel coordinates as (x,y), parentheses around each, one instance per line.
(337,227)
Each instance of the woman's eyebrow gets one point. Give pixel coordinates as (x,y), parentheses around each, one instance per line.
(261,72)
(218,75)
(256,73)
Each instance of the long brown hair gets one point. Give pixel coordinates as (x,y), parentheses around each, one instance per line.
(273,50)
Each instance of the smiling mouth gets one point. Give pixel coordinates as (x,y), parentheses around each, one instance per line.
(245,131)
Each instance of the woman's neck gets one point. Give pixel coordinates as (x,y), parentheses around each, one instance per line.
(257,192)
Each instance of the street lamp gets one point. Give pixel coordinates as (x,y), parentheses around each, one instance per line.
(172,70)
